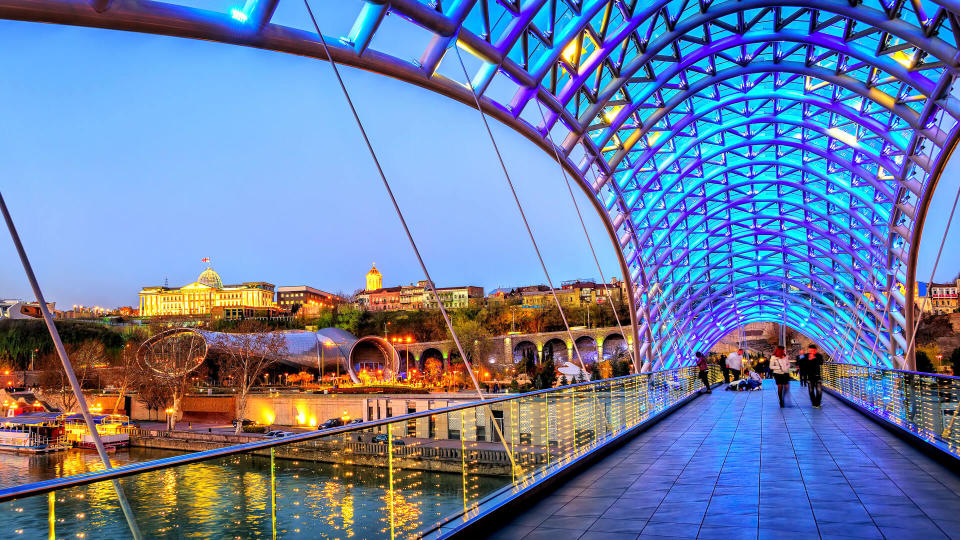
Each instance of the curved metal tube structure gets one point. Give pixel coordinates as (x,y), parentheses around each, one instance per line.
(178,351)
(752,160)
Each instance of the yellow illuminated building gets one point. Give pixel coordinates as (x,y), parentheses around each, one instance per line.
(374,279)
(206,296)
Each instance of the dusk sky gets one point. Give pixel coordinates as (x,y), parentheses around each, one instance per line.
(129,157)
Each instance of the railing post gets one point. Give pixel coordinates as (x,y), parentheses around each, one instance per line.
(390,478)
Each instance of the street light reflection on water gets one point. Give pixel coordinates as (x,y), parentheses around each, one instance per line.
(229,497)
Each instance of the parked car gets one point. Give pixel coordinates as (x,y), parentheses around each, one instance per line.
(245,422)
(357,421)
(382,439)
(279,433)
(331,423)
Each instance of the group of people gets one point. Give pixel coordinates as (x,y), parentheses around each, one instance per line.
(809,370)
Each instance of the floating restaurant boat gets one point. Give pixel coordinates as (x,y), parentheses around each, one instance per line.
(33,433)
(113,430)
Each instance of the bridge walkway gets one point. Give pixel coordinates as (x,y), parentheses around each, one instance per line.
(734,465)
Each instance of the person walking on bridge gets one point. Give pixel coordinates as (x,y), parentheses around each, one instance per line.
(813,364)
(702,370)
(735,363)
(780,365)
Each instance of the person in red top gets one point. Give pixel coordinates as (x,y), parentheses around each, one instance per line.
(702,369)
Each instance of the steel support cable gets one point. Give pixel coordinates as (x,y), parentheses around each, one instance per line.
(849,325)
(586,233)
(393,199)
(910,356)
(661,304)
(516,199)
(526,223)
(68,369)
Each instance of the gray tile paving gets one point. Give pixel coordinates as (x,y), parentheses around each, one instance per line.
(734,465)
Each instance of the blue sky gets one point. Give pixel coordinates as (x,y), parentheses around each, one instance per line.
(128,158)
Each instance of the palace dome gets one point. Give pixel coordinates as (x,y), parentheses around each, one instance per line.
(210,278)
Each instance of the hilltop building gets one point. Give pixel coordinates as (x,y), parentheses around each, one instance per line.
(306,301)
(937,298)
(414,296)
(574,293)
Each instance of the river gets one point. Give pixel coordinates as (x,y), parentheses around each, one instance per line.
(239,496)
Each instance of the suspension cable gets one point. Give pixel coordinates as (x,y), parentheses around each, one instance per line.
(393,200)
(586,233)
(516,198)
(413,244)
(68,369)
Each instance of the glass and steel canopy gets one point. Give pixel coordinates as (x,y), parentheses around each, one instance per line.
(753,160)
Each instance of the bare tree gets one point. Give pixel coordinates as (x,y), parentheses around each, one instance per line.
(246,356)
(124,377)
(53,379)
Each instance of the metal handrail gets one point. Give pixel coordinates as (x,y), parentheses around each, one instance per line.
(921,373)
(46,486)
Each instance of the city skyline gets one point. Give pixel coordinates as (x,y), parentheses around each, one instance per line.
(304,207)
(206,169)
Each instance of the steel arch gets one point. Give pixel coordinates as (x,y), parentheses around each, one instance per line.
(648,104)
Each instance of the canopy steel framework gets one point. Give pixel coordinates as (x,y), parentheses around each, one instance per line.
(752,160)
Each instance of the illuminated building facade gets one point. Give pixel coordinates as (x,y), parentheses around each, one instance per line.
(937,298)
(374,279)
(209,296)
(413,296)
(295,298)
(574,294)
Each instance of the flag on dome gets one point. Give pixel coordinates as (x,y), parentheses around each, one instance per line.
(205,259)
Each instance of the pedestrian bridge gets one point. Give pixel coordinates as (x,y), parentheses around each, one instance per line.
(751,160)
(638,455)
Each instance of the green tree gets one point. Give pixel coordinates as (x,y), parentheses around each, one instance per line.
(955,361)
(923,363)
(546,375)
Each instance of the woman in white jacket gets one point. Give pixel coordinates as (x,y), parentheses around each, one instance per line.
(780,365)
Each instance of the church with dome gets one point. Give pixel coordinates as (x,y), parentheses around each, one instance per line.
(208,296)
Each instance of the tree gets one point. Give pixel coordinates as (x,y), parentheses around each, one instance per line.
(125,375)
(245,356)
(563,380)
(163,369)
(53,379)
(474,338)
(955,361)
(546,375)
(924,364)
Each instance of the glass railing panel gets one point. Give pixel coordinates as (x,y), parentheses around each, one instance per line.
(922,403)
(414,476)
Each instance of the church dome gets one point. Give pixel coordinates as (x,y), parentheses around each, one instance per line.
(210,278)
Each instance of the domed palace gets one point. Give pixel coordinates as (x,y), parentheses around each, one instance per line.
(208,296)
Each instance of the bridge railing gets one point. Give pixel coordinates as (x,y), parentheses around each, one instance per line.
(924,404)
(423,474)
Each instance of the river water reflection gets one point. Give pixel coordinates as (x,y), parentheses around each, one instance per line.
(240,496)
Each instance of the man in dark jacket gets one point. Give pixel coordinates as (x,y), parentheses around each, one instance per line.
(702,370)
(811,365)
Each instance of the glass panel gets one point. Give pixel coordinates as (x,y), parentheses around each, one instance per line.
(407,476)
